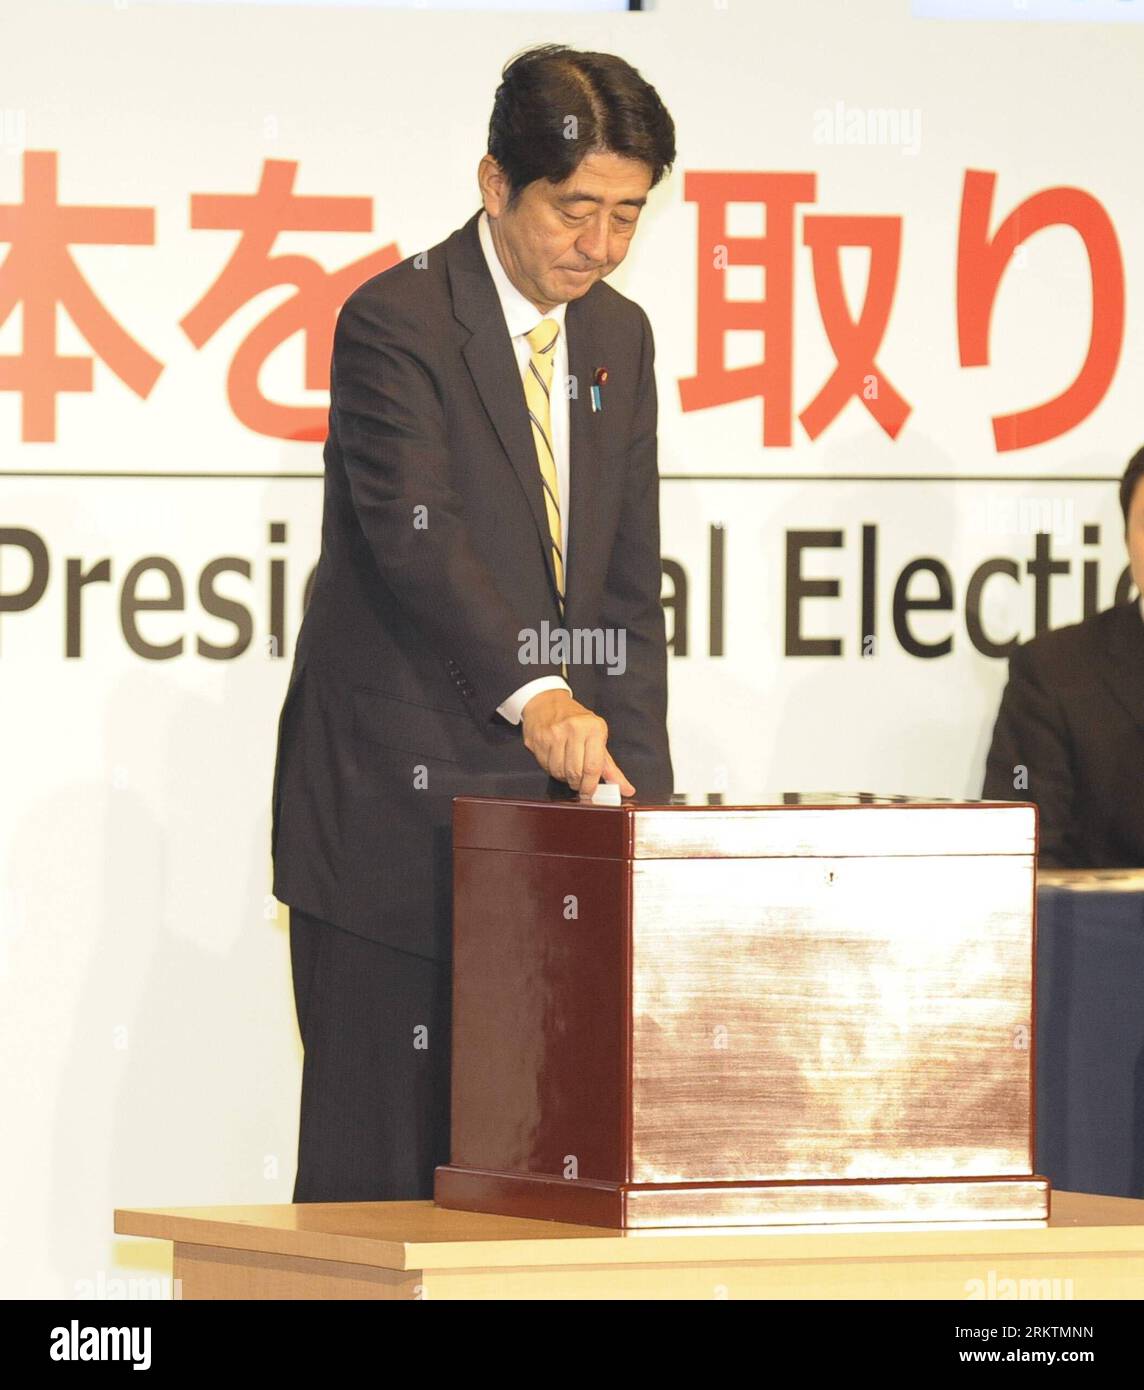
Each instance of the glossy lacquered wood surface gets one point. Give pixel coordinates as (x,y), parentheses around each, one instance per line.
(541,1043)
(661,1013)
(635,830)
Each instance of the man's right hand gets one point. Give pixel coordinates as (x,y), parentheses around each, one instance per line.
(570,742)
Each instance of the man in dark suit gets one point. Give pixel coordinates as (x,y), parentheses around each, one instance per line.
(490,481)
(1070,731)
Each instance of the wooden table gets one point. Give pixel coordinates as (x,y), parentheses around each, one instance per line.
(1091,1247)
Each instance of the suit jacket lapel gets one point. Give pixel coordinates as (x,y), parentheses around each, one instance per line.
(583,459)
(1124,672)
(489,355)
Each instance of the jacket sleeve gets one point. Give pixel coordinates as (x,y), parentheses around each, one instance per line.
(391,430)
(634,703)
(1029,759)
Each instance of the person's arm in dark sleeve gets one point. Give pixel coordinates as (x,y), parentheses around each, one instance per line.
(1029,759)
(634,704)
(390,426)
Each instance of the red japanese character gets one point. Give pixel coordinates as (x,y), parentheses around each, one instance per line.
(981,262)
(855,343)
(312,311)
(771,378)
(39,273)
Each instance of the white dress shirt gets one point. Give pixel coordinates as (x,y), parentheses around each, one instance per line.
(521,317)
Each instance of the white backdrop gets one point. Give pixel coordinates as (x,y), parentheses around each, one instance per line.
(150,1047)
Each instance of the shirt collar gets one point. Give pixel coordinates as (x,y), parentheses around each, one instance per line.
(520,313)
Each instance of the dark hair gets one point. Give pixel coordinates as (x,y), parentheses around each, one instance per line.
(615,111)
(1132,475)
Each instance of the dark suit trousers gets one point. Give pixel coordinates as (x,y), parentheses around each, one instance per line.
(375,1026)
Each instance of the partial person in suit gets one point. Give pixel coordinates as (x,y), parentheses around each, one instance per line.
(1070,731)
(491,482)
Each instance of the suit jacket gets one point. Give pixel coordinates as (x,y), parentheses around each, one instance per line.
(1073,715)
(435,555)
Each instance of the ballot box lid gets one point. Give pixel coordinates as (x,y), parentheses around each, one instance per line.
(803,825)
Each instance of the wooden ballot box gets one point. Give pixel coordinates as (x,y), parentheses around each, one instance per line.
(743,1015)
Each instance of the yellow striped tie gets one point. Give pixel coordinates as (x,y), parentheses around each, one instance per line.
(537,393)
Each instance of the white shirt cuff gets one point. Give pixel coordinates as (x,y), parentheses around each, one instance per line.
(513,707)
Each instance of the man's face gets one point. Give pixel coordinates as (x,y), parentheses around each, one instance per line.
(559,239)
(1135,534)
